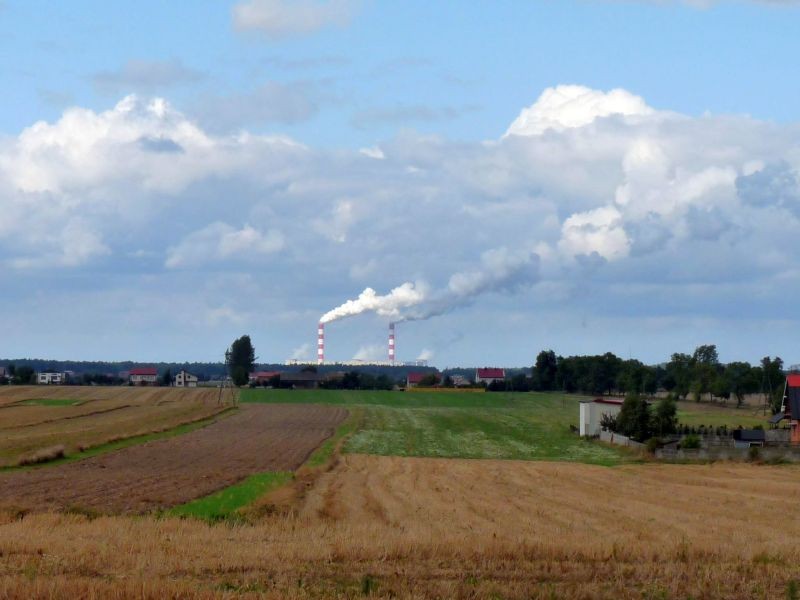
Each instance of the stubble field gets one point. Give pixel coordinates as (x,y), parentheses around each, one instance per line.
(387,517)
(36,418)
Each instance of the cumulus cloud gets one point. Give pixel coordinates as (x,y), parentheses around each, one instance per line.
(593,192)
(221,242)
(568,106)
(277,19)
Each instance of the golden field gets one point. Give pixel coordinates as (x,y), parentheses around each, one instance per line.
(441,528)
(35,418)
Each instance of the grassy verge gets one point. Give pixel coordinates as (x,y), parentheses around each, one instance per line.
(250,497)
(49,402)
(225,503)
(126,442)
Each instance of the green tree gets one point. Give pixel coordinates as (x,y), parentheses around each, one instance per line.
(634,418)
(240,360)
(679,372)
(773,381)
(665,420)
(166,377)
(545,371)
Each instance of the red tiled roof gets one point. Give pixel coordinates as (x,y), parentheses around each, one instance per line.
(609,400)
(415,377)
(144,371)
(264,374)
(491,373)
(793,380)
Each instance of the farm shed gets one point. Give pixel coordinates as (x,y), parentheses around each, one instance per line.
(592,411)
(185,379)
(413,379)
(791,405)
(489,376)
(747,438)
(143,376)
(301,380)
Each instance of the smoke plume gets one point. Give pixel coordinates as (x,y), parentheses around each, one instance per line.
(500,270)
(389,305)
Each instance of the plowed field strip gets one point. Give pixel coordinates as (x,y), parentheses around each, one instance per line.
(173,471)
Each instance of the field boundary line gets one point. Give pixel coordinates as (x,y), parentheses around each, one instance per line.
(67,418)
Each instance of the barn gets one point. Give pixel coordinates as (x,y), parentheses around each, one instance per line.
(489,376)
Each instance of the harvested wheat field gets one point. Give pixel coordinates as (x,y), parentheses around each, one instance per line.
(35,418)
(436,528)
(172,471)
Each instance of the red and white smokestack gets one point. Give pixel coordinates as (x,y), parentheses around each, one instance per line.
(321,344)
(391,343)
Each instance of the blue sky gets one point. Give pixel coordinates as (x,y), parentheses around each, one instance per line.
(204,169)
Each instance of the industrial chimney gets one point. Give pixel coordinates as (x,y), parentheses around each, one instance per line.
(321,344)
(391,343)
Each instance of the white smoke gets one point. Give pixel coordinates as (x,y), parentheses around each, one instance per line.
(389,305)
(499,270)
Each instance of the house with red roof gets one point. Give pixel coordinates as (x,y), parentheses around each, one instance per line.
(263,377)
(489,376)
(143,376)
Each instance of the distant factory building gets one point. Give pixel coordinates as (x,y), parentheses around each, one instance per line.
(185,379)
(489,376)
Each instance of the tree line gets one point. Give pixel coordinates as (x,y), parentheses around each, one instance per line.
(697,376)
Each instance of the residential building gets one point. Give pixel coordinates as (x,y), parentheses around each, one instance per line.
(143,376)
(489,376)
(460,380)
(790,409)
(592,411)
(263,377)
(413,379)
(302,380)
(51,378)
(185,379)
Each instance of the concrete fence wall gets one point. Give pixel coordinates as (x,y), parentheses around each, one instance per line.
(619,439)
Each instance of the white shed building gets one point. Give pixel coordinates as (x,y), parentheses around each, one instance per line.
(593,410)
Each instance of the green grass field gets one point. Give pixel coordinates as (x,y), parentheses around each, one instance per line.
(498,425)
(527,426)
(49,402)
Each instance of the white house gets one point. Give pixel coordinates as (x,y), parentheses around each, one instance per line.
(143,376)
(185,379)
(592,411)
(51,378)
(489,376)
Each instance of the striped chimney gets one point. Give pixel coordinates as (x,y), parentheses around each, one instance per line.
(391,342)
(321,344)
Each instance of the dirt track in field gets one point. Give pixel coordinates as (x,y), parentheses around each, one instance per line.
(168,472)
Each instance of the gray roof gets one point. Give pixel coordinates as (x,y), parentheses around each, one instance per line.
(749,435)
(777,418)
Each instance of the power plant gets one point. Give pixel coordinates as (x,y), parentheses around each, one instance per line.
(391,362)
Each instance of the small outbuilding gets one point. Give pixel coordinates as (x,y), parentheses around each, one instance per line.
(592,411)
(748,438)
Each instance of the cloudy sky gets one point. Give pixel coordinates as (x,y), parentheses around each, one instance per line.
(502,177)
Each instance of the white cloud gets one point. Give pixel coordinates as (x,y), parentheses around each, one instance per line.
(277,19)
(222,242)
(569,106)
(601,194)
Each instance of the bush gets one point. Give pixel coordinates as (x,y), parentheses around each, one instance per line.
(753,453)
(43,455)
(653,444)
(690,442)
